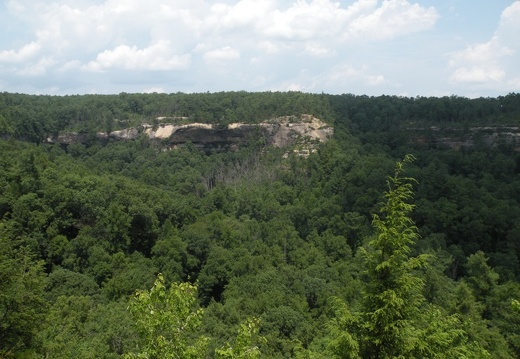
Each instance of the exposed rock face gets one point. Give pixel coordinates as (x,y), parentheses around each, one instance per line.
(126,134)
(75,137)
(203,135)
(456,138)
(309,127)
(303,132)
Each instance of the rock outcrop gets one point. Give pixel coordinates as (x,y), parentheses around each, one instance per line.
(302,133)
(456,138)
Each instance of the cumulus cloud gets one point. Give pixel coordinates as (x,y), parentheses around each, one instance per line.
(479,74)
(78,25)
(37,68)
(340,78)
(245,13)
(491,62)
(346,75)
(480,63)
(224,53)
(316,19)
(79,36)
(26,61)
(155,57)
(25,53)
(318,50)
(391,19)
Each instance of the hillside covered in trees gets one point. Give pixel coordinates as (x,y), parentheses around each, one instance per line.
(400,235)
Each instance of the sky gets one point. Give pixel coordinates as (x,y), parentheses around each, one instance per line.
(412,48)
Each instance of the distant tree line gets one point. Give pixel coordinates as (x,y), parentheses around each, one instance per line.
(32,117)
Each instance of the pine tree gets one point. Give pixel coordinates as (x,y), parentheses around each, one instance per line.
(395,320)
(392,296)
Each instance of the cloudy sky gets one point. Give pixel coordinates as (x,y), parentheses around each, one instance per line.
(396,47)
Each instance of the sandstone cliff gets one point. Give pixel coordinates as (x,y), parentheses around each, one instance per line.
(456,138)
(300,133)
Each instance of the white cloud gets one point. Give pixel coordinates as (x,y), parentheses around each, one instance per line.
(492,62)
(480,63)
(362,20)
(224,53)
(268,47)
(279,39)
(316,49)
(38,68)
(347,74)
(337,79)
(374,80)
(509,22)
(393,18)
(25,53)
(293,87)
(478,74)
(243,13)
(83,27)
(155,57)
(514,83)
(70,66)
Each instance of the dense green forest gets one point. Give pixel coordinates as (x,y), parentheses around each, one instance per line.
(375,246)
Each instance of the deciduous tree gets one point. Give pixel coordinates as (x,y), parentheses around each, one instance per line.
(167,319)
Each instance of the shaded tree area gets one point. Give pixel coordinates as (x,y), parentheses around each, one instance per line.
(383,112)
(258,234)
(394,318)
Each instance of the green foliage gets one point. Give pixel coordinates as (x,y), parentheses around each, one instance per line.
(80,327)
(166,319)
(5,126)
(394,320)
(83,225)
(244,346)
(393,293)
(22,304)
(482,278)
(515,304)
(344,342)
(444,336)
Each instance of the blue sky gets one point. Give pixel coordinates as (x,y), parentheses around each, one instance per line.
(393,47)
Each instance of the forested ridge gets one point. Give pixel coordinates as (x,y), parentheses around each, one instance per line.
(375,246)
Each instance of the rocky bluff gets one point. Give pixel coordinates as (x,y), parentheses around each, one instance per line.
(461,137)
(300,133)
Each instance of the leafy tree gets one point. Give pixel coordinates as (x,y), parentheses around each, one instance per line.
(22,303)
(5,126)
(479,330)
(127,273)
(64,334)
(169,254)
(64,282)
(80,327)
(166,320)
(243,346)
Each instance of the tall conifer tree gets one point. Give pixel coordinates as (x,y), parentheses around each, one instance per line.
(392,296)
(395,320)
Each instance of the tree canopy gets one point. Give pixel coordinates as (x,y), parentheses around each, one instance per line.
(262,253)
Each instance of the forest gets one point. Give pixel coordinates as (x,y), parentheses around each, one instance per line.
(378,245)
